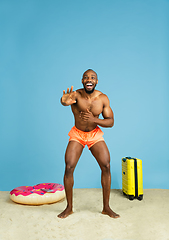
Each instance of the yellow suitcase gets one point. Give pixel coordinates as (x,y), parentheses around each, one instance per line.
(132,178)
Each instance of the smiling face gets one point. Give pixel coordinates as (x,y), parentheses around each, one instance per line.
(89,81)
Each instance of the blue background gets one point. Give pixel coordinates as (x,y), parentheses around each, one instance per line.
(45,46)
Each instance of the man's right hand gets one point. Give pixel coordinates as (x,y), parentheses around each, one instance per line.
(68,98)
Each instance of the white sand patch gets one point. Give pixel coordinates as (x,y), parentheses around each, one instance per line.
(140,220)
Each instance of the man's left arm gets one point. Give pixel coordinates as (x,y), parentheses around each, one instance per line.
(107,113)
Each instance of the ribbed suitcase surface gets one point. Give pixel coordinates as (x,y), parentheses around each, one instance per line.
(132,178)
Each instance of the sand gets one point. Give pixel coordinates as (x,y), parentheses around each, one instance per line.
(140,220)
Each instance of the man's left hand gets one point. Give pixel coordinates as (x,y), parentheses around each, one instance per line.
(87,116)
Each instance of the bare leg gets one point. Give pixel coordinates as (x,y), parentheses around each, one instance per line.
(72,155)
(101,153)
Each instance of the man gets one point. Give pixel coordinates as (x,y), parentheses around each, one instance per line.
(87,104)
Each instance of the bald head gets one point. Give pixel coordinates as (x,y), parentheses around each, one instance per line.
(90,70)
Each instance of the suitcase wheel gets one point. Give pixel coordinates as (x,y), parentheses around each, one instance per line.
(131,197)
(140,197)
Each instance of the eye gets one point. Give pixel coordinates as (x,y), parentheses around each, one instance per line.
(93,77)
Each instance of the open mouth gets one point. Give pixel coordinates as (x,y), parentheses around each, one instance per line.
(89,85)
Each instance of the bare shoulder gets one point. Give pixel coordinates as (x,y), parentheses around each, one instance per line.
(104,99)
(79,92)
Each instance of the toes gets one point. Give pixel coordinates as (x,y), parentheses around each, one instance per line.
(111,214)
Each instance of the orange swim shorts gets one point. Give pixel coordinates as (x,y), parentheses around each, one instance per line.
(86,138)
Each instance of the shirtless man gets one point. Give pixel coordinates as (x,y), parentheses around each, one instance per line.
(87,104)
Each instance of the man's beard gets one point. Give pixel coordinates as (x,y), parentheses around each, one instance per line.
(89,91)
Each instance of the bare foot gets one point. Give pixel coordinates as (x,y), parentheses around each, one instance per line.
(65,213)
(110,213)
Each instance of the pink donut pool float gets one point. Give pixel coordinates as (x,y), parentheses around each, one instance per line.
(42,193)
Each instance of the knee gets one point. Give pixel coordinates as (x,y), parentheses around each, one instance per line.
(69,169)
(106,167)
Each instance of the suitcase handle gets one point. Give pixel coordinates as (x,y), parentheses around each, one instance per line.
(131,158)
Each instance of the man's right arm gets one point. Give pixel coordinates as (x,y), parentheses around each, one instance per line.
(68,98)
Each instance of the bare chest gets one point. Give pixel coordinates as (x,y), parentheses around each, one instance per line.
(93,105)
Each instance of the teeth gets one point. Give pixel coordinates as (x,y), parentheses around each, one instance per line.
(89,84)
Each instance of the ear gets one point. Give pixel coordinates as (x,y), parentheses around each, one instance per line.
(97,81)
